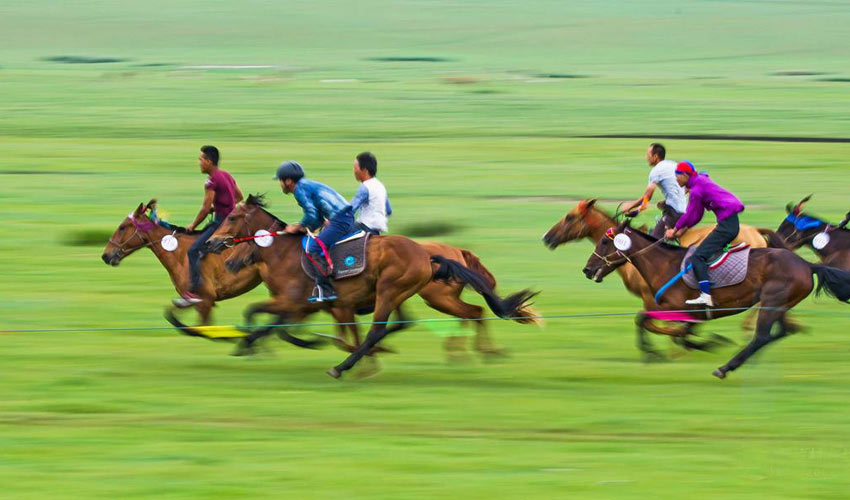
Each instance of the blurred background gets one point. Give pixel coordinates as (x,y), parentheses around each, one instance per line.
(490,120)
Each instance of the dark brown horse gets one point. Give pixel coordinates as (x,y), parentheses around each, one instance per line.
(397,269)
(589,221)
(138,231)
(800,229)
(777,278)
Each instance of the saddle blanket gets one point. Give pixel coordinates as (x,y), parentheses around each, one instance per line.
(727,269)
(348,256)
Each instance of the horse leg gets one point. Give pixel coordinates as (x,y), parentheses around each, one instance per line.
(454,306)
(204,310)
(766,319)
(391,293)
(645,346)
(246,345)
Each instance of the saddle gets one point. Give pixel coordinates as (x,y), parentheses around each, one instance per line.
(726,268)
(348,256)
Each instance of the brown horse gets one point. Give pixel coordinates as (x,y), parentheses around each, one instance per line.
(438,295)
(397,269)
(776,277)
(799,229)
(587,220)
(138,231)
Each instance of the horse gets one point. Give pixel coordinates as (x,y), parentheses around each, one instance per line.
(776,277)
(799,229)
(137,231)
(438,295)
(589,221)
(398,268)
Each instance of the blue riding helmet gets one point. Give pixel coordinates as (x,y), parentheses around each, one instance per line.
(289,170)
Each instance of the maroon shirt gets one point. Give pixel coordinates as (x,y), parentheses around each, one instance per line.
(225,192)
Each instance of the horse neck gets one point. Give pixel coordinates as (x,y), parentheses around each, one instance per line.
(839,243)
(598,222)
(171,261)
(658,264)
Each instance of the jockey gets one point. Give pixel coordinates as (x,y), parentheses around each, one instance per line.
(371,198)
(322,206)
(221,194)
(706,195)
(663,175)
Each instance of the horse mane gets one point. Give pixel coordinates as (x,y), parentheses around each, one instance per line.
(259,200)
(653,239)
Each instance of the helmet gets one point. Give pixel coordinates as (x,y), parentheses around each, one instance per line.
(289,170)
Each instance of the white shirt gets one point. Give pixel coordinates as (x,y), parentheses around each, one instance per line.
(664,175)
(371,199)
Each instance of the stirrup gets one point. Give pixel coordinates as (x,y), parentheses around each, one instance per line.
(319,295)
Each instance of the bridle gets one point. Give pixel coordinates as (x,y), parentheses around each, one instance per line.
(625,258)
(140,227)
(231,241)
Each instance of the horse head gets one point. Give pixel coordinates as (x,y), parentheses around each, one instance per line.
(574,226)
(612,251)
(130,235)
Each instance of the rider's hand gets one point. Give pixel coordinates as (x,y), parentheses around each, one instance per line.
(292,229)
(190,227)
(670,234)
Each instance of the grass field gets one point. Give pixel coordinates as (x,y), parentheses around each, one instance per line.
(478,113)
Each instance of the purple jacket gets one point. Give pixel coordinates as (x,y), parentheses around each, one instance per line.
(706,195)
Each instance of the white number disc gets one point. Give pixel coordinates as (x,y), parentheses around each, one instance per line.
(263,238)
(622,242)
(820,241)
(169,243)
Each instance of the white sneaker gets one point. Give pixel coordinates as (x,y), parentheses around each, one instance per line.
(188,299)
(704,299)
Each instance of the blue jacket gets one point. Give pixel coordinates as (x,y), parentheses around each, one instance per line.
(318,201)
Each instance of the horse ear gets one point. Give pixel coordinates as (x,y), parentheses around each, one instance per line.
(140,209)
(591,202)
(151,204)
(789,208)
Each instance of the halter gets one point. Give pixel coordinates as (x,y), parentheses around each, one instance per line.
(143,226)
(232,241)
(625,258)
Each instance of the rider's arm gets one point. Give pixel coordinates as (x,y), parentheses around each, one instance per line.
(311,219)
(389,207)
(237,195)
(206,208)
(361,197)
(647,195)
(693,214)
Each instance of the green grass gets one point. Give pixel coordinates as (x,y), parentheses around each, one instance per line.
(476,126)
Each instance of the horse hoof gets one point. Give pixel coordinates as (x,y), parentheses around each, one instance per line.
(719,373)
(653,357)
(333,372)
(242,351)
(494,355)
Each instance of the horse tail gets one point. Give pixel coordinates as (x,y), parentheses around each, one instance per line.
(832,281)
(772,237)
(515,307)
(474,263)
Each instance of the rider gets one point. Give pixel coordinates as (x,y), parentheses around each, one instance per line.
(322,206)
(371,198)
(663,175)
(221,194)
(706,195)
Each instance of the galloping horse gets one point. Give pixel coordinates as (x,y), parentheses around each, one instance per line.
(587,220)
(397,269)
(137,231)
(439,295)
(799,229)
(777,278)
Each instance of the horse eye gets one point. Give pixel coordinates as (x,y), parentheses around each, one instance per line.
(122,227)
(232,218)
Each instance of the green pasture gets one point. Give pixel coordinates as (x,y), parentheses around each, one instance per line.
(479,114)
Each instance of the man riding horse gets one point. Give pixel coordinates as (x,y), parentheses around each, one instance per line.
(706,195)
(322,206)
